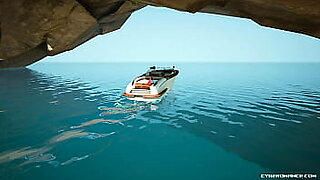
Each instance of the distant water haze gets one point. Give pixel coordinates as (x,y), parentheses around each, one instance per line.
(220,121)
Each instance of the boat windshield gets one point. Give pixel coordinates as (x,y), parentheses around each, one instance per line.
(152,68)
(155,74)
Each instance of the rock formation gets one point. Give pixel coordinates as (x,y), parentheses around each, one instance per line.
(32,30)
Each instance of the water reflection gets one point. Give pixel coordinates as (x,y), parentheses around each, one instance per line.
(42,111)
(42,115)
(36,155)
(27,153)
(38,110)
(73,159)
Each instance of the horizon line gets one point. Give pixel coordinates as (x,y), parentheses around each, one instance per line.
(51,62)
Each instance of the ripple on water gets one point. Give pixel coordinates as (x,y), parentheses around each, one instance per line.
(241,118)
(74,159)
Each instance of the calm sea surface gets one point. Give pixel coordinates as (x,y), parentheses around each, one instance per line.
(220,121)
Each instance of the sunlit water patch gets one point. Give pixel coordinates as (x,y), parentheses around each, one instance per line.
(220,121)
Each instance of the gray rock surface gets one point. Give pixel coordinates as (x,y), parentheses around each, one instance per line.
(32,30)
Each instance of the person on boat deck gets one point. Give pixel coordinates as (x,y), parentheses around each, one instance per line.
(149,81)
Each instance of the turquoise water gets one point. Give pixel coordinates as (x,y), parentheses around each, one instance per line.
(220,121)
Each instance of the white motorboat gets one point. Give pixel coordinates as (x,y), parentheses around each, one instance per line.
(152,85)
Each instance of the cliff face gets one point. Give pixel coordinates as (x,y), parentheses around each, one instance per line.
(31,30)
(293,15)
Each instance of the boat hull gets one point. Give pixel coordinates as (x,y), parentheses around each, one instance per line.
(154,93)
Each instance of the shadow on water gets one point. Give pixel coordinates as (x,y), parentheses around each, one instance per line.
(279,131)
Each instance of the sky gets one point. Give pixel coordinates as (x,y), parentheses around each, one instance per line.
(155,34)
